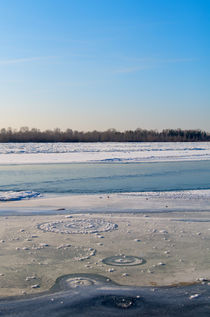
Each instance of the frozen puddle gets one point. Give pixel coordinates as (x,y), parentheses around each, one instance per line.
(123,260)
(82,226)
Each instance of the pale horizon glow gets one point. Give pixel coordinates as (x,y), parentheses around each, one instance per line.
(95,65)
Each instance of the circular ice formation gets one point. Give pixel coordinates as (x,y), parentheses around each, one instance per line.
(124,302)
(78,226)
(79,282)
(121,302)
(123,260)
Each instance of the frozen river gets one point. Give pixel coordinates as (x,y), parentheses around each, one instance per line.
(112,229)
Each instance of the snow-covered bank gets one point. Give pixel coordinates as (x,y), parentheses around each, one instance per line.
(32,153)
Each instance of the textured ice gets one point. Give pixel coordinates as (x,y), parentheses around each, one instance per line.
(31,153)
(17,195)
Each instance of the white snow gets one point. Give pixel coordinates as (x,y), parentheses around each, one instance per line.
(18,195)
(32,153)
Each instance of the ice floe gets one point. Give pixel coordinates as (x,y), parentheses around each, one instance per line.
(17,195)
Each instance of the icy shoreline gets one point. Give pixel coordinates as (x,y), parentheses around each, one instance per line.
(132,202)
(200,194)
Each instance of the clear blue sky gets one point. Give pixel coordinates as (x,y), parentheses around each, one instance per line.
(99,64)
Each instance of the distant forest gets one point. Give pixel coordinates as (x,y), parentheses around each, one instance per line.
(25,134)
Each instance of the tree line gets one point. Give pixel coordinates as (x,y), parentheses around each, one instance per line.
(25,134)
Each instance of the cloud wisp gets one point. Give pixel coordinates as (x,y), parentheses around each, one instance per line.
(22,60)
(145,64)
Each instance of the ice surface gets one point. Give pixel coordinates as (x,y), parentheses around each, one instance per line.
(29,153)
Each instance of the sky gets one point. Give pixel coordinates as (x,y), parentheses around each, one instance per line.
(100,64)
